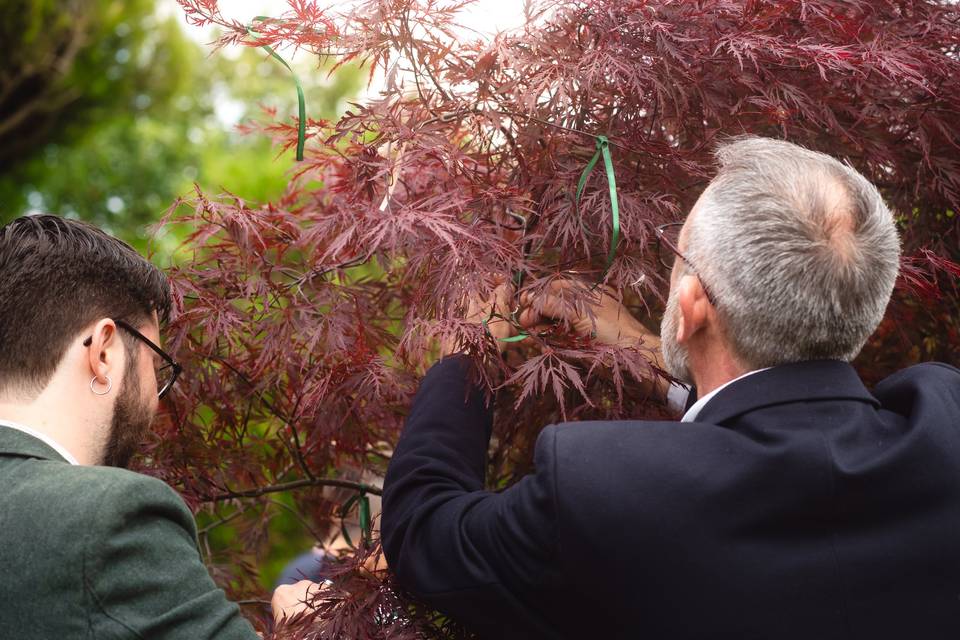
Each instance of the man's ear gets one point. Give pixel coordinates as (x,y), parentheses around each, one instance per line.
(694,307)
(105,350)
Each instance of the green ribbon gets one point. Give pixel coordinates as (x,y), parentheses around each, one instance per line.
(363,509)
(365,529)
(301,102)
(603,149)
(523,335)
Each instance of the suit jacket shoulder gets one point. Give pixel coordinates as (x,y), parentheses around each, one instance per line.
(799,505)
(933,384)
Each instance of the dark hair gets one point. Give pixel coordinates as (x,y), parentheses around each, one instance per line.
(56,277)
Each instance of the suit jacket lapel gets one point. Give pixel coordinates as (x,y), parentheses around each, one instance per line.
(797,382)
(14,442)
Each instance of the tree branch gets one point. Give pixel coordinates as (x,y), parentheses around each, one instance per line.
(295,484)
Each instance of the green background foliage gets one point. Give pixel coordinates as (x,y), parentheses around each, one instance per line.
(140,114)
(109,112)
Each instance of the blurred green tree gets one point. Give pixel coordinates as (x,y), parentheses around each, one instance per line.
(67,63)
(108,112)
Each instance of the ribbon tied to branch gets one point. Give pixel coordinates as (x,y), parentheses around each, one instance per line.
(602,151)
(301,102)
(362,502)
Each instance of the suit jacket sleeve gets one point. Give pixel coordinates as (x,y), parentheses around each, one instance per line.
(143,573)
(481,556)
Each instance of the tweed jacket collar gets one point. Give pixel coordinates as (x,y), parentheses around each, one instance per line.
(14,442)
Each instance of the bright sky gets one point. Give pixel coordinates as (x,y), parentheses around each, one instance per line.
(485,16)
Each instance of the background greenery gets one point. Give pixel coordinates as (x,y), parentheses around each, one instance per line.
(109,111)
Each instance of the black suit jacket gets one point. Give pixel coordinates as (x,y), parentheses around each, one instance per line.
(798,505)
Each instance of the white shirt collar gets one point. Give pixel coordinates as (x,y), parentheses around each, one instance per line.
(43,438)
(694,411)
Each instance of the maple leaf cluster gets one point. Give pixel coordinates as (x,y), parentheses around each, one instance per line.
(305,323)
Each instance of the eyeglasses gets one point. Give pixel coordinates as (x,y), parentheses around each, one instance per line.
(167,374)
(669,235)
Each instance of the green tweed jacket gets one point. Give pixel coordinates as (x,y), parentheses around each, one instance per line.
(96,552)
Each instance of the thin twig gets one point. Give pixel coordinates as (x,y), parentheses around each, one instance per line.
(221,521)
(252,602)
(295,484)
(296,450)
(447,117)
(299,518)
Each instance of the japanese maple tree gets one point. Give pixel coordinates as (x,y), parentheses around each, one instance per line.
(305,323)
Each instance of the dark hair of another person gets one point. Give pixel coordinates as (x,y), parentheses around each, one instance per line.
(56,277)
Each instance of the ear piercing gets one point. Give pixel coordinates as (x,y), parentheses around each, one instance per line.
(93,381)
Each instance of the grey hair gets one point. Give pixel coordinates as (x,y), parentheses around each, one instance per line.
(798,250)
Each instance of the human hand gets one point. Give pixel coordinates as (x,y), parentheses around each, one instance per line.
(598,314)
(293,600)
(491,311)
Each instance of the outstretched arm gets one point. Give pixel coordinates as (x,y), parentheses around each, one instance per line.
(486,558)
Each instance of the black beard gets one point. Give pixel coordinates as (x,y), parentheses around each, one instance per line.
(130,424)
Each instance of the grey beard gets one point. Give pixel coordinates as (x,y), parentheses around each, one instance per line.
(675,357)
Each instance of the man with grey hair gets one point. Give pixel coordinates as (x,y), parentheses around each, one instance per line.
(789,502)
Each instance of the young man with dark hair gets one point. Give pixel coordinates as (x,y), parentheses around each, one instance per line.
(89,549)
